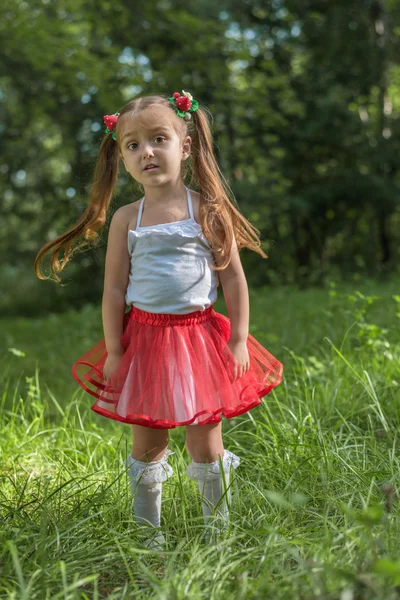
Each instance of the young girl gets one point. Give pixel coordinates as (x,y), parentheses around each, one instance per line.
(171,360)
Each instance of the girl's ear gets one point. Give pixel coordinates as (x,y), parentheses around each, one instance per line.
(186,147)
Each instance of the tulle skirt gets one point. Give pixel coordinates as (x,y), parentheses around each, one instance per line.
(176,370)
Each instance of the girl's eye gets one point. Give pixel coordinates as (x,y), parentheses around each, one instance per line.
(159,137)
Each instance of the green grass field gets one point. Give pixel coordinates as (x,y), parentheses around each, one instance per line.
(314,508)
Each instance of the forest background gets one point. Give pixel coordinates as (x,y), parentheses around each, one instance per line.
(305,103)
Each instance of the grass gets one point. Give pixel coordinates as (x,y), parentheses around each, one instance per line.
(314,507)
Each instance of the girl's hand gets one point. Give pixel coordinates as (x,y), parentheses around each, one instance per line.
(112,361)
(241,358)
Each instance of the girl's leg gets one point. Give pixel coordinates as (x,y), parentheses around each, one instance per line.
(148,468)
(205,446)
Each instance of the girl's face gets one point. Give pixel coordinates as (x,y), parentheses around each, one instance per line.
(150,138)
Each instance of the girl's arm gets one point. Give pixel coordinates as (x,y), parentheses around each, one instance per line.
(116,278)
(236,294)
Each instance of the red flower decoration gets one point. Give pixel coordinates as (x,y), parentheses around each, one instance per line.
(176,95)
(183,103)
(110,121)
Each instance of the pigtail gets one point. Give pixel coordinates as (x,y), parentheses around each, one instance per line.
(100,195)
(220,217)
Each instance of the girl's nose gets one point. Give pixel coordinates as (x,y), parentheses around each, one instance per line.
(148,151)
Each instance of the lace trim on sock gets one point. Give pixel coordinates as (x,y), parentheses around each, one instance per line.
(150,472)
(198,471)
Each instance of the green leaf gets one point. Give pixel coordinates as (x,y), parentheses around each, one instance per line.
(16,352)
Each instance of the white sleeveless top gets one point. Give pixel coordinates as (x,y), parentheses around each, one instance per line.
(170,266)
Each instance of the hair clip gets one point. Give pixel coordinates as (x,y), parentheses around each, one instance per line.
(111,122)
(184,104)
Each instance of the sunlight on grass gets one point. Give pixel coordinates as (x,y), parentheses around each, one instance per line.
(314,509)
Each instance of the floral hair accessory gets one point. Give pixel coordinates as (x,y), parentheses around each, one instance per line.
(111,122)
(184,104)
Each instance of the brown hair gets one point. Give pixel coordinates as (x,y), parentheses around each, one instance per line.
(220,219)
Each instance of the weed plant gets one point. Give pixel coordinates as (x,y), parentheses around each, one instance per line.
(314,510)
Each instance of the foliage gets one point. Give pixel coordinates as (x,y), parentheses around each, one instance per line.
(305,103)
(315,509)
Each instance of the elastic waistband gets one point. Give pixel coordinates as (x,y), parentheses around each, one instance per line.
(165,319)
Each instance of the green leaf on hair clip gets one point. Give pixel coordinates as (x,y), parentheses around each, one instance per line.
(195,106)
(113,133)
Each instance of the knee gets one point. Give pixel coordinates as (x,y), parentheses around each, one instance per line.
(150,445)
(204,452)
(204,443)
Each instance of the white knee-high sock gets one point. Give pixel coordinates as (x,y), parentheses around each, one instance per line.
(147,503)
(146,484)
(216,496)
(212,491)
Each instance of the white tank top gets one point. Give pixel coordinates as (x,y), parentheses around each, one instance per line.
(170,266)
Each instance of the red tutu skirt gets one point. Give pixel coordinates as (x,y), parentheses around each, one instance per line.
(176,370)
